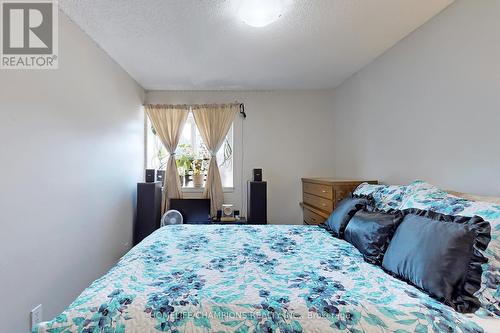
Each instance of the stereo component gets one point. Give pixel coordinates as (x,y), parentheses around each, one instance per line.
(257,175)
(150,175)
(160,175)
(257,202)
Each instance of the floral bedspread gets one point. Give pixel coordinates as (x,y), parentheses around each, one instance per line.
(192,278)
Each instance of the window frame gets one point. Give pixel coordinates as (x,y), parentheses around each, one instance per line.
(191,189)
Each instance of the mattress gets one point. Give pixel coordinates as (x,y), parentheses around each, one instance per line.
(229,278)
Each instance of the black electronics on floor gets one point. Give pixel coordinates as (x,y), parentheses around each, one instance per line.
(257,202)
(193,211)
(148,210)
(257,175)
(150,175)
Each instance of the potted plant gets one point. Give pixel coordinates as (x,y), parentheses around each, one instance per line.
(197,172)
(184,166)
(184,162)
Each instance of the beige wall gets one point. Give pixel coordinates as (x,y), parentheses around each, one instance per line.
(284,134)
(429,108)
(70,155)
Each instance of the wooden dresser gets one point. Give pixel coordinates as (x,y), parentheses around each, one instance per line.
(321,195)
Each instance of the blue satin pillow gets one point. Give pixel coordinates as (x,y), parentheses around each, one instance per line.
(371,231)
(345,210)
(440,254)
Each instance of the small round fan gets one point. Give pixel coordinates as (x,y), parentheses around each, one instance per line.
(171,217)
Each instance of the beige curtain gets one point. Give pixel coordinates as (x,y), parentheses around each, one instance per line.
(168,122)
(213,122)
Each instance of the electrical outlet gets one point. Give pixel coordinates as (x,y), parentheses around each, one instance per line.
(36,315)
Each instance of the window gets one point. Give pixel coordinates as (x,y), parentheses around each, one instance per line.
(192,156)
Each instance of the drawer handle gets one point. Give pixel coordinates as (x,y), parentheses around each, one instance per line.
(323,191)
(323,204)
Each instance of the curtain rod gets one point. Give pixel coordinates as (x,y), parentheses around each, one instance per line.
(241,106)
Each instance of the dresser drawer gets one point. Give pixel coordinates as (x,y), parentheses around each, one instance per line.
(320,190)
(318,202)
(320,196)
(311,217)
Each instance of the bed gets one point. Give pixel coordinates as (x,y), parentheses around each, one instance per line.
(221,278)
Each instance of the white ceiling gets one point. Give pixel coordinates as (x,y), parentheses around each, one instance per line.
(203,45)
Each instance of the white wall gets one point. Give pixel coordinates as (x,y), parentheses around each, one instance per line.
(429,108)
(284,134)
(70,155)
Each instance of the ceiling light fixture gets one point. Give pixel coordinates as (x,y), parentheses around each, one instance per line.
(259,13)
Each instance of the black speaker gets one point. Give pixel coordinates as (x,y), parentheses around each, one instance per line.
(257,202)
(160,175)
(257,175)
(150,175)
(148,210)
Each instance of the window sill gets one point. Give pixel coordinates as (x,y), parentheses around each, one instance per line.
(201,189)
